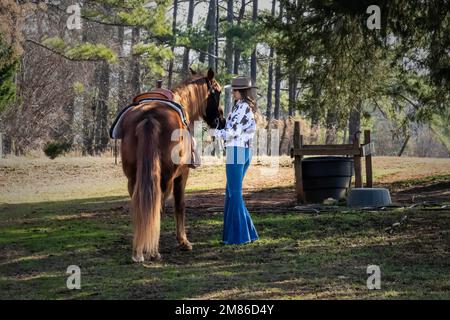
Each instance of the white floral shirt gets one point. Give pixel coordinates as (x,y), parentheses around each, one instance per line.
(240,126)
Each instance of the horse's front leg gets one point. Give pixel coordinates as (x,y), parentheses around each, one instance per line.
(179,185)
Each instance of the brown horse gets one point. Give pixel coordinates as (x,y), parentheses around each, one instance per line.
(147,150)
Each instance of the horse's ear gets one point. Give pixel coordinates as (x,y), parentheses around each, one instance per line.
(210,74)
(193,72)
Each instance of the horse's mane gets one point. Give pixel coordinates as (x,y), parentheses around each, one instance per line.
(194,94)
(193,78)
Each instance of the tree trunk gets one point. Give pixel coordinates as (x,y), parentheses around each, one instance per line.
(229,55)
(174,32)
(237,50)
(190,18)
(330,135)
(277,93)
(212,61)
(253,68)
(88,111)
(314,133)
(121,95)
(276,111)
(270,76)
(269,88)
(101,119)
(202,55)
(237,60)
(134,64)
(403,146)
(77,122)
(344,139)
(292,92)
(216,36)
(354,122)
(89,127)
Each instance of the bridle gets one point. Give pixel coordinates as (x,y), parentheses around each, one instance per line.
(212,91)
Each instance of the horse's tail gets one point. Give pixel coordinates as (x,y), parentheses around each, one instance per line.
(146,199)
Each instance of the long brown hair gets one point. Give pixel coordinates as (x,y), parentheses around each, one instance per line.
(247,96)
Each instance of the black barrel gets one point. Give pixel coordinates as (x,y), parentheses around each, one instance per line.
(326,177)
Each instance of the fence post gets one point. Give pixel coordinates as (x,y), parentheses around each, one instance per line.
(357,162)
(298,143)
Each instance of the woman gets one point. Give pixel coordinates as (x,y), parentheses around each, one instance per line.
(238,135)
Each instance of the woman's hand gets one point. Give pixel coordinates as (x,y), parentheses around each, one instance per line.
(215,133)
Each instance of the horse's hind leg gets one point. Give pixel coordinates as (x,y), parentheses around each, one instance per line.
(179,184)
(137,255)
(130,172)
(129,168)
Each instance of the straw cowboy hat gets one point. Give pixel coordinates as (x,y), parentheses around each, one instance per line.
(241,83)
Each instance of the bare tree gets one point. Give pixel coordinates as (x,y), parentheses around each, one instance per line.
(229,53)
(253,66)
(292,91)
(270,76)
(237,50)
(101,101)
(135,70)
(354,121)
(213,25)
(278,76)
(190,18)
(174,32)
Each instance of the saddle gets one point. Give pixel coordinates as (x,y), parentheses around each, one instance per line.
(162,95)
(158,93)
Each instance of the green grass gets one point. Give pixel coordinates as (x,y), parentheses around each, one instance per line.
(298,256)
(75,212)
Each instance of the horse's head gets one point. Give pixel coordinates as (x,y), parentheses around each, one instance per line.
(201,97)
(213,114)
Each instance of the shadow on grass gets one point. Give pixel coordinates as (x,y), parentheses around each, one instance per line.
(297,256)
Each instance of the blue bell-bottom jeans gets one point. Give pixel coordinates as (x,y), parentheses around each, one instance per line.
(237,225)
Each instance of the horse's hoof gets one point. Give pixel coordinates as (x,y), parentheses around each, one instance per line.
(157,257)
(137,259)
(187,246)
(154,257)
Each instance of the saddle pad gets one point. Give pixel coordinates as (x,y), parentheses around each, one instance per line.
(158,93)
(115,131)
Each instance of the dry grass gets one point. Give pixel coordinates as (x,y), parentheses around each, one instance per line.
(41,179)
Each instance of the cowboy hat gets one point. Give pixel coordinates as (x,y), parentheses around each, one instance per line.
(241,83)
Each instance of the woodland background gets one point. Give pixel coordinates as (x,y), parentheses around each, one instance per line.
(315,59)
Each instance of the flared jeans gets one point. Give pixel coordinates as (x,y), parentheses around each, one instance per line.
(238,226)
